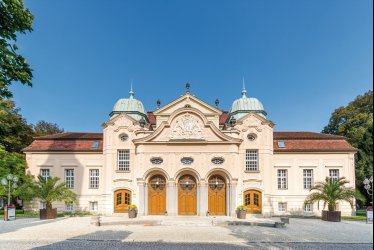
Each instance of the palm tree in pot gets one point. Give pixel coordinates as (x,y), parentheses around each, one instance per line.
(50,190)
(330,192)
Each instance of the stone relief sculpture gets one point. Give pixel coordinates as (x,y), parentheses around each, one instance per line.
(187,127)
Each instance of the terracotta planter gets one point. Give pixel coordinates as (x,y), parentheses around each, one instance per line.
(132,214)
(334,216)
(241,214)
(46,214)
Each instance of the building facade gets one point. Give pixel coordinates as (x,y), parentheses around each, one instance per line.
(191,158)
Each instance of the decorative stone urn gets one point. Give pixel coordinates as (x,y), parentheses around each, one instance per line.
(132,214)
(46,213)
(241,212)
(334,216)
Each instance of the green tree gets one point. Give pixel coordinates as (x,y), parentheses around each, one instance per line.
(331,191)
(50,190)
(15,133)
(15,164)
(355,121)
(46,128)
(14,19)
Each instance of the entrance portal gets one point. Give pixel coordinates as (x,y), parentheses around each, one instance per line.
(122,200)
(253,201)
(157,195)
(187,195)
(217,196)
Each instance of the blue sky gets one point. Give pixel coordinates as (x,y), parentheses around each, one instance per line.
(302,59)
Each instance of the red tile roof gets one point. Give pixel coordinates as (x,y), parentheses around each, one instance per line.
(294,142)
(151,118)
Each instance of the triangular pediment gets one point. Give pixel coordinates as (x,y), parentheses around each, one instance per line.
(188,125)
(187,100)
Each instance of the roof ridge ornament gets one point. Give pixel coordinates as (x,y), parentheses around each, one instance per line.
(244,92)
(131,91)
(188,86)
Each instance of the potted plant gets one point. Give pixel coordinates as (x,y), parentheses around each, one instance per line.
(132,211)
(49,190)
(241,212)
(330,192)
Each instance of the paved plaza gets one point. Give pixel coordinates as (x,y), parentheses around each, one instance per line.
(77,233)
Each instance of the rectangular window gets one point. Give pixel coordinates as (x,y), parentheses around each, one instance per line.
(282,179)
(94,178)
(45,173)
(69,206)
(334,174)
(93,206)
(124,160)
(251,160)
(282,206)
(42,205)
(308,178)
(308,207)
(69,178)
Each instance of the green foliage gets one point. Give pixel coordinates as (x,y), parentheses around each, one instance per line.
(46,128)
(355,121)
(15,19)
(50,190)
(15,133)
(15,164)
(331,191)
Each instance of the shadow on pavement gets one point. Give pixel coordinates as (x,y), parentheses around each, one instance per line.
(11,226)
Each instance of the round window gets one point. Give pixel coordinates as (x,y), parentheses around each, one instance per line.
(217,161)
(156,161)
(124,137)
(186,160)
(251,137)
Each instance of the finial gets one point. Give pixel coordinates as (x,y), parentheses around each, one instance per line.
(142,122)
(244,92)
(131,92)
(217,102)
(188,86)
(158,103)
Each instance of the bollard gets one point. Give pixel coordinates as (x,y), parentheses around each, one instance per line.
(95,220)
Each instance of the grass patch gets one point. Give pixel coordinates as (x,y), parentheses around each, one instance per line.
(360,218)
(73,214)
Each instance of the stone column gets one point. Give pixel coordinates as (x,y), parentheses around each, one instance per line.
(141,198)
(171,198)
(203,198)
(233,187)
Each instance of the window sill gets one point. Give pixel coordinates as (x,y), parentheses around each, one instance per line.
(252,171)
(122,171)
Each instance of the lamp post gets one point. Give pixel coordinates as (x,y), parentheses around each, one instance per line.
(7,182)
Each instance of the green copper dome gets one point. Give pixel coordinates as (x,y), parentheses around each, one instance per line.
(244,105)
(130,106)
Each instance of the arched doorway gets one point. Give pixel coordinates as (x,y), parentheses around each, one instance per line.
(187,195)
(217,195)
(253,201)
(122,200)
(157,195)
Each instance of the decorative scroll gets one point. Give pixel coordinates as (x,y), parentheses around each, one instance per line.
(187,127)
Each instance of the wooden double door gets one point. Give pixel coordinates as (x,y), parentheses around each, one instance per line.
(187,195)
(122,200)
(253,201)
(157,195)
(217,196)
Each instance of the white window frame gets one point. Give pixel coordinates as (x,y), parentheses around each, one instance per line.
(282,206)
(334,174)
(308,178)
(94,178)
(93,206)
(69,206)
(251,160)
(282,177)
(308,208)
(69,177)
(43,172)
(123,158)
(42,205)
